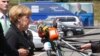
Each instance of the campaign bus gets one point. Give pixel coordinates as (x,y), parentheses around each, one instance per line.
(41,10)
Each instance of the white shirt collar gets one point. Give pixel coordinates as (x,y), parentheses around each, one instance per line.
(1,14)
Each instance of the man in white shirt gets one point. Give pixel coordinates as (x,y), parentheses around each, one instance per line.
(5,49)
(3,19)
(5,22)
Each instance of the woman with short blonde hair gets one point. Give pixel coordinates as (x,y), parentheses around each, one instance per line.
(16,36)
(18,11)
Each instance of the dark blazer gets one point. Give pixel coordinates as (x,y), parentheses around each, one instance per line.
(81,12)
(5,49)
(17,39)
(95,46)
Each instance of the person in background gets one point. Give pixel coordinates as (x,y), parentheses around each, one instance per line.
(3,15)
(43,32)
(29,33)
(94,46)
(55,22)
(16,36)
(80,10)
(30,38)
(5,49)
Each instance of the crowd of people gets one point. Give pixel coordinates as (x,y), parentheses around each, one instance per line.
(15,39)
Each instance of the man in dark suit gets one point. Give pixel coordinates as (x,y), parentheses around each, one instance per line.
(5,49)
(80,10)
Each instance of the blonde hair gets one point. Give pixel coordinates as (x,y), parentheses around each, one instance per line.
(18,11)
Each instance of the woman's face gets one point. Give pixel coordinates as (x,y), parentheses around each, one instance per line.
(24,22)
